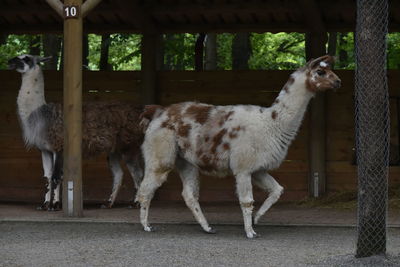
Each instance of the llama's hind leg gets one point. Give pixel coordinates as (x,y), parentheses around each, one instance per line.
(114,162)
(134,162)
(135,169)
(190,179)
(266,182)
(159,153)
(153,179)
(47,162)
(245,193)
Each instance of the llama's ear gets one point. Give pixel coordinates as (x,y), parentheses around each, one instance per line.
(324,61)
(43,59)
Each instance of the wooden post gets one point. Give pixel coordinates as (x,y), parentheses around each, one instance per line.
(149,68)
(316,47)
(72,11)
(72,180)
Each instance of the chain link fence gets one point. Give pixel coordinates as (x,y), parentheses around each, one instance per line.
(372,125)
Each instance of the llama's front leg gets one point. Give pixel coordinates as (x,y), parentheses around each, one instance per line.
(190,179)
(152,180)
(56,179)
(245,193)
(114,162)
(266,182)
(47,163)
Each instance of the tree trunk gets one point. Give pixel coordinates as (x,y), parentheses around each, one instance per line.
(372,126)
(34,45)
(3,38)
(332,43)
(241,51)
(105,46)
(180,61)
(160,52)
(85,51)
(51,47)
(211,52)
(169,59)
(199,52)
(343,57)
(62,55)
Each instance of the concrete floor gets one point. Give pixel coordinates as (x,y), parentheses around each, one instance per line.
(228,213)
(290,236)
(126,244)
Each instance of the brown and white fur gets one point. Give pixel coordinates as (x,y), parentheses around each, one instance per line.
(108,127)
(243,140)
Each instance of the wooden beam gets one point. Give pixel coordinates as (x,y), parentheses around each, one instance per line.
(72,179)
(88,6)
(216,7)
(315,47)
(137,14)
(57,6)
(312,16)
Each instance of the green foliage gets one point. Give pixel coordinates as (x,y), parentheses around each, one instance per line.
(179,51)
(277,51)
(224,51)
(269,51)
(94,51)
(345,51)
(394,51)
(124,53)
(15,45)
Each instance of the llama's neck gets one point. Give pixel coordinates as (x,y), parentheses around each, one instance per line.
(291,104)
(31,93)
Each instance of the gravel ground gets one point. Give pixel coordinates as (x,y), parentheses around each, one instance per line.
(121,244)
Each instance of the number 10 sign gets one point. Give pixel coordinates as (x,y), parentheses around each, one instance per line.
(71,12)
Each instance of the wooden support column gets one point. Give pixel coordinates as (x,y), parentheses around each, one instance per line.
(149,68)
(72,11)
(72,178)
(316,47)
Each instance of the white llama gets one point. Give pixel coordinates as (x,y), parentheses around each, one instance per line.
(108,127)
(243,140)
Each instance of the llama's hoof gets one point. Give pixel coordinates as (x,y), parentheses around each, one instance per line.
(43,207)
(252,235)
(135,206)
(56,206)
(148,229)
(108,205)
(211,231)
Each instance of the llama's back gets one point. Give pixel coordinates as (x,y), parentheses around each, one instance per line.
(106,127)
(110,127)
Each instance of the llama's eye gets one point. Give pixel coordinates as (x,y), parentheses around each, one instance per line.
(321,72)
(26,59)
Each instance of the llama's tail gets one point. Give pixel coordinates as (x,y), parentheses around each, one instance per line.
(149,113)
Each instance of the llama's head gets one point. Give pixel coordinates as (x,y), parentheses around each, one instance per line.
(24,63)
(320,76)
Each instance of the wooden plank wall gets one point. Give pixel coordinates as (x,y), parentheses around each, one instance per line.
(20,170)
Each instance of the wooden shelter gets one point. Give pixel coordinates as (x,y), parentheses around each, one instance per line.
(320,159)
